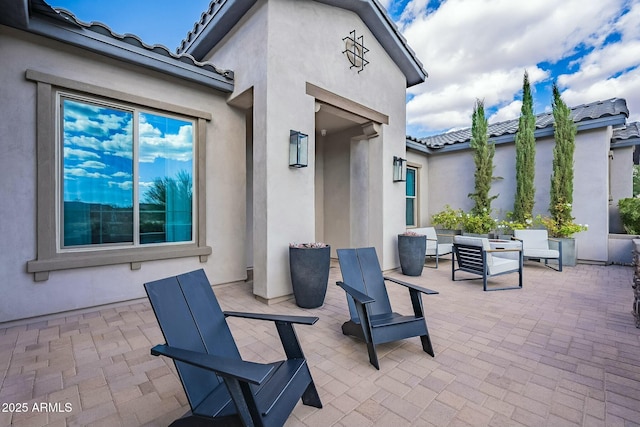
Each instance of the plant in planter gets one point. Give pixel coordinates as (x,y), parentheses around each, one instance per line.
(309,265)
(630,214)
(483,152)
(448,218)
(478,223)
(562,226)
(506,226)
(525,157)
(412,249)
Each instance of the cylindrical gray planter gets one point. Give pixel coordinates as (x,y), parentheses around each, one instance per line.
(412,251)
(309,275)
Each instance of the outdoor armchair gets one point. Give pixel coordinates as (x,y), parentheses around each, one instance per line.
(434,249)
(218,383)
(372,319)
(474,255)
(536,245)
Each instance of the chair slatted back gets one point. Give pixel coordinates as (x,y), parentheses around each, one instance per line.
(469,258)
(361,270)
(190,318)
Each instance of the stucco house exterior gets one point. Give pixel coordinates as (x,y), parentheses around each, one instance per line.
(603,169)
(123,162)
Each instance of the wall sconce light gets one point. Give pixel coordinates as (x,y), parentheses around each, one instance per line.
(298,149)
(399,169)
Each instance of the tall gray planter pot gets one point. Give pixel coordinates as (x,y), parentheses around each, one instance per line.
(309,275)
(569,251)
(412,251)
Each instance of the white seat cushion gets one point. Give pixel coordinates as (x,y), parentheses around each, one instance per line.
(541,253)
(443,248)
(502,265)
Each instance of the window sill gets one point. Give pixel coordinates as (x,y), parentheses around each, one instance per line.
(70,260)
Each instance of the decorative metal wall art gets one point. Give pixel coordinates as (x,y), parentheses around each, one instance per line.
(355,50)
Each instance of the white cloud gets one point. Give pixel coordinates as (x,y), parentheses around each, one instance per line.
(610,70)
(74,153)
(480,49)
(92,164)
(83,173)
(121,175)
(170,146)
(126,185)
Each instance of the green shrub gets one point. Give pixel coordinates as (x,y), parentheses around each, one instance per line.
(630,214)
(448,218)
(478,223)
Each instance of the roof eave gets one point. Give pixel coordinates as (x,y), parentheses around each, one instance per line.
(538,133)
(631,142)
(227,15)
(113,48)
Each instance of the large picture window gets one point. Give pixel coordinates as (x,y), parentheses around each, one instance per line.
(126,175)
(121,177)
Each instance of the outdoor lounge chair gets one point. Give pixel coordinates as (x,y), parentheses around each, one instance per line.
(371,317)
(474,255)
(536,246)
(218,383)
(434,249)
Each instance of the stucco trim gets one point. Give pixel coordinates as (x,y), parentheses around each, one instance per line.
(48,258)
(345,104)
(65,83)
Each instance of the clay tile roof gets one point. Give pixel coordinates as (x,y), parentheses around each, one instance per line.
(134,40)
(580,113)
(631,130)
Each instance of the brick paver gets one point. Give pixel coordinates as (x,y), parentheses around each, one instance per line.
(563,350)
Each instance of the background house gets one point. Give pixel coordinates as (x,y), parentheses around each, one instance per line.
(603,170)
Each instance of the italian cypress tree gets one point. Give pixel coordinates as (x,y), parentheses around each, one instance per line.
(483,157)
(561,193)
(525,157)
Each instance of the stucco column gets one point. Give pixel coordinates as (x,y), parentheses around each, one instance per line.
(284,197)
(362,190)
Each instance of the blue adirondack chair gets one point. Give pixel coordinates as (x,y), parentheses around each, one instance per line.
(218,383)
(372,319)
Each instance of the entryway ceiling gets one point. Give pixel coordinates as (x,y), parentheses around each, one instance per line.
(333,119)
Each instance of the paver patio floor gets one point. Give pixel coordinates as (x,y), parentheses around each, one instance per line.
(562,351)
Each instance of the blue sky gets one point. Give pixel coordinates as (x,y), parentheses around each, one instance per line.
(99,152)
(472,49)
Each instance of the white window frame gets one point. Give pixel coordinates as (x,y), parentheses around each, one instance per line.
(49,257)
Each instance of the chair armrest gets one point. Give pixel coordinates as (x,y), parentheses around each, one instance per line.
(355,294)
(515,238)
(504,250)
(301,320)
(432,240)
(251,372)
(412,286)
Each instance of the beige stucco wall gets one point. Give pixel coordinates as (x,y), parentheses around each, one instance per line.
(450,177)
(420,162)
(84,287)
(621,167)
(276,49)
